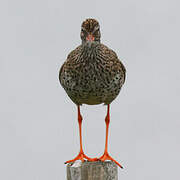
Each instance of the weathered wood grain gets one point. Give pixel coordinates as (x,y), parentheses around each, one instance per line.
(92,171)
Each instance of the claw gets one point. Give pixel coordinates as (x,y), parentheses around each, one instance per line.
(106,156)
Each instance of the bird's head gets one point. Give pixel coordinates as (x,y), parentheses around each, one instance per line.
(90,31)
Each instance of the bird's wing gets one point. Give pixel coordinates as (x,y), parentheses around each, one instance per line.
(113,63)
(70,61)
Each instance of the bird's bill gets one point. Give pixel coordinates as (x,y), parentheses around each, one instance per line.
(90,37)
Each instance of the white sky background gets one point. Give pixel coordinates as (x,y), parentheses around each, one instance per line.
(38,122)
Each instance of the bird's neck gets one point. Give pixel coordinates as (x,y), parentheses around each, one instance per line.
(89,50)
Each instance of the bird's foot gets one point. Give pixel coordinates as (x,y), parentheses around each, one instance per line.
(81,156)
(106,156)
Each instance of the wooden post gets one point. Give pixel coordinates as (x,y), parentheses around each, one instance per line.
(92,171)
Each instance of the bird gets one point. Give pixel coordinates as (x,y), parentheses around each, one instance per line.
(92,74)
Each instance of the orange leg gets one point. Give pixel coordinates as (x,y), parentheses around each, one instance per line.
(81,156)
(106,155)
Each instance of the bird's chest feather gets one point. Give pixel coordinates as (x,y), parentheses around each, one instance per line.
(91,78)
(89,74)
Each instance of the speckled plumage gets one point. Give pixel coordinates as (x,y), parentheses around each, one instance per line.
(92,73)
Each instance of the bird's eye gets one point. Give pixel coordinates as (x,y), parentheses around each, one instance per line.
(97,30)
(83,30)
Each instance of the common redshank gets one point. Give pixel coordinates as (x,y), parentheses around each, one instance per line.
(92,74)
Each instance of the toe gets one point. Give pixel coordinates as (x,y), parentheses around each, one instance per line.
(106,156)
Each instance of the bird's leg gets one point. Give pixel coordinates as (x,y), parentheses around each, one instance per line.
(81,156)
(106,155)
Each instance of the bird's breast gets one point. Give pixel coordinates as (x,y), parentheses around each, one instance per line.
(91,78)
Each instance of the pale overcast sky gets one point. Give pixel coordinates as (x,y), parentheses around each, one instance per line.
(38,122)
